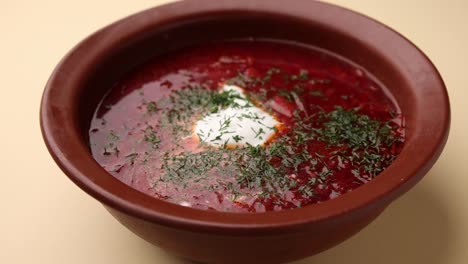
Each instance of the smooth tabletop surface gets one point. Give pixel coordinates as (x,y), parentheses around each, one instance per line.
(45,218)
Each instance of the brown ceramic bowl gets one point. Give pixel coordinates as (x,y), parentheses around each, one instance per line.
(83,76)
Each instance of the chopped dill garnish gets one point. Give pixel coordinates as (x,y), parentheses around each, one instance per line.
(317,93)
(152,137)
(151,107)
(237,138)
(112,136)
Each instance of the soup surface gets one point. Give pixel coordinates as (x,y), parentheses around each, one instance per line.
(246,126)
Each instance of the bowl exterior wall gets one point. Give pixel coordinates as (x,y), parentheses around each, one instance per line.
(213,248)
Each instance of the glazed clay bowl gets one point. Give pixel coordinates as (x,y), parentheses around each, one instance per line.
(84,75)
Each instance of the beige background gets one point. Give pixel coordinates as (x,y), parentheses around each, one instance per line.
(46,219)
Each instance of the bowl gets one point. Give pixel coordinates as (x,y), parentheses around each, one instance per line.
(82,77)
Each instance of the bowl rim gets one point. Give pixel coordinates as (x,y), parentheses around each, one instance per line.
(63,140)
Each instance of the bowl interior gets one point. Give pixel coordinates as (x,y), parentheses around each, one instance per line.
(137,49)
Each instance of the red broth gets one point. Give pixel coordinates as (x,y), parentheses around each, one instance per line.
(338,127)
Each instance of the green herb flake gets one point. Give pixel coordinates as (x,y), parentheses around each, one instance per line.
(112,136)
(316,93)
(152,137)
(151,107)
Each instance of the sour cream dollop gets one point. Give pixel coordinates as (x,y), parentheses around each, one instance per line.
(238,125)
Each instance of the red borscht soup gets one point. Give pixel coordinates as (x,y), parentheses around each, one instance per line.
(247,126)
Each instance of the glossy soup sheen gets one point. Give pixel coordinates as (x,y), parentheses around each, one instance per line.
(337,127)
